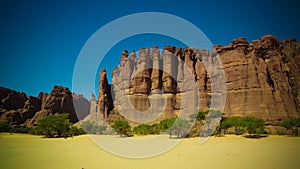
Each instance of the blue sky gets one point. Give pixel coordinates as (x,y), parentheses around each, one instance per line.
(41,40)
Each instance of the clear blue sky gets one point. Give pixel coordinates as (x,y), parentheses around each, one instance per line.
(40,40)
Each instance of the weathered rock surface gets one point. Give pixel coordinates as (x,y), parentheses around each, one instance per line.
(16,107)
(19,109)
(105,103)
(61,100)
(262,78)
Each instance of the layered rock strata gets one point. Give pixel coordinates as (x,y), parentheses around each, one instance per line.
(262,80)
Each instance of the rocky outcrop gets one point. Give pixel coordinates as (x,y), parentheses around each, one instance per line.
(16,107)
(61,100)
(105,103)
(259,79)
(19,109)
(262,78)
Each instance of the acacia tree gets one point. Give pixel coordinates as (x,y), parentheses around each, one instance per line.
(122,127)
(252,124)
(233,121)
(237,123)
(200,116)
(291,124)
(180,128)
(166,124)
(225,124)
(55,125)
(142,129)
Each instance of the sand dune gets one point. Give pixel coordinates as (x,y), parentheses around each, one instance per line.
(34,152)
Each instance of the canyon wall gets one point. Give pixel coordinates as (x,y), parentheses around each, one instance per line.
(262,80)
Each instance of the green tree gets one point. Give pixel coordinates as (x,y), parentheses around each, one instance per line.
(155,129)
(237,123)
(122,127)
(166,124)
(180,128)
(215,114)
(100,129)
(199,115)
(89,127)
(291,124)
(143,129)
(74,131)
(55,125)
(252,124)
(5,127)
(226,123)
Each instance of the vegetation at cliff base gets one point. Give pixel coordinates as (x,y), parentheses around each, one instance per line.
(173,126)
(199,115)
(56,125)
(122,127)
(292,125)
(4,127)
(91,128)
(250,124)
(180,128)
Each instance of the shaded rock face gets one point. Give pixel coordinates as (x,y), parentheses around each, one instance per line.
(11,100)
(105,103)
(16,107)
(262,78)
(19,109)
(61,100)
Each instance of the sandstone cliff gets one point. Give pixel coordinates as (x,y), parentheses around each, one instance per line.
(18,109)
(262,80)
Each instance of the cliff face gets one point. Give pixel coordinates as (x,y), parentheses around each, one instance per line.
(262,80)
(19,109)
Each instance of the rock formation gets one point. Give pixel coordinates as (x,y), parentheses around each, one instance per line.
(262,79)
(19,109)
(16,107)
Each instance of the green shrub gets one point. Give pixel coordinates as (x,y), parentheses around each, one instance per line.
(74,131)
(143,129)
(199,115)
(54,126)
(89,127)
(122,127)
(4,127)
(156,129)
(253,124)
(100,129)
(22,130)
(291,124)
(234,121)
(180,128)
(166,124)
(280,132)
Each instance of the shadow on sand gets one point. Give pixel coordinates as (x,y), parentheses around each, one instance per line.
(256,136)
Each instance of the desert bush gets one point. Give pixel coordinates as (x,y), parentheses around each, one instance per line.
(180,128)
(54,126)
(166,124)
(253,125)
(4,127)
(199,115)
(143,129)
(91,128)
(122,127)
(292,125)
(234,121)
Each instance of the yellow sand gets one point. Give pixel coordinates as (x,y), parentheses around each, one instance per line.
(33,152)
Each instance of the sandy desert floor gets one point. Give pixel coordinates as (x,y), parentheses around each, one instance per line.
(34,152)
